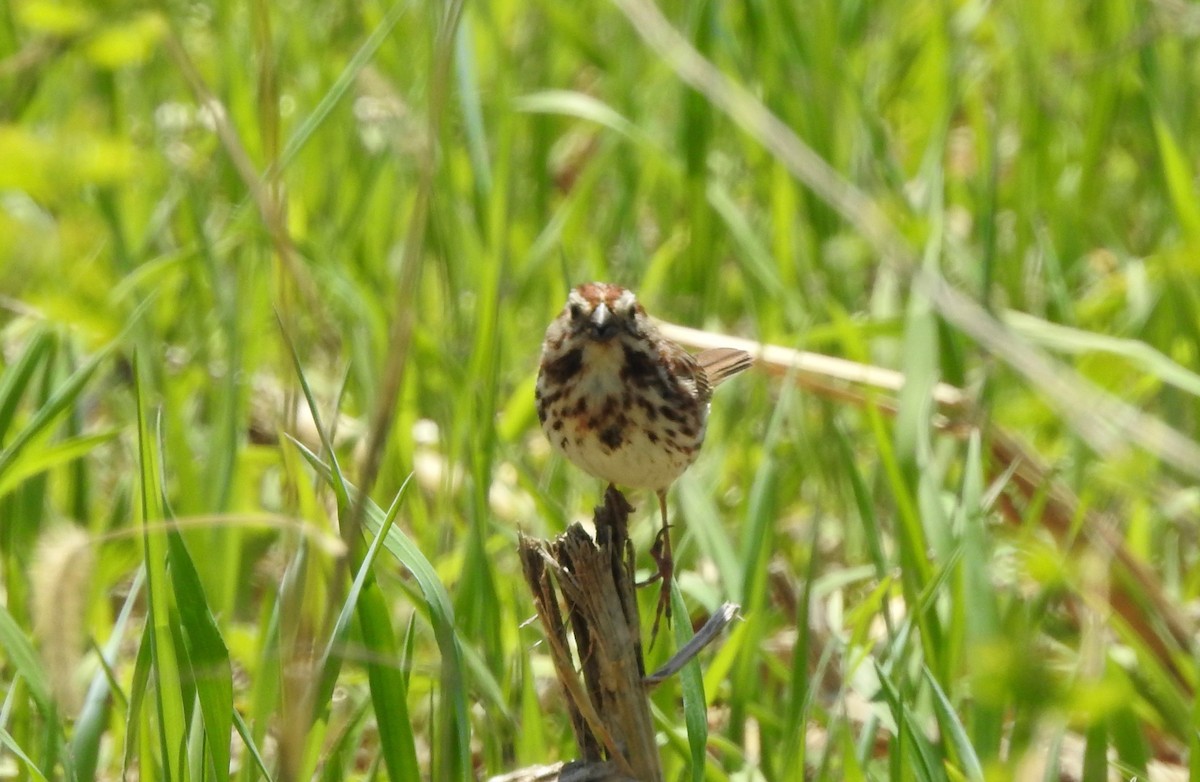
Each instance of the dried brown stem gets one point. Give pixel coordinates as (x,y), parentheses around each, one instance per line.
(609,709)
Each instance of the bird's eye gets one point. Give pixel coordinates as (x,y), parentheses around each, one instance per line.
(576,310)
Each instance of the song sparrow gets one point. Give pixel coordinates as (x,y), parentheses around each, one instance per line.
(624,403)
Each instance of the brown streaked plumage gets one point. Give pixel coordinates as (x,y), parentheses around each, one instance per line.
(624,403)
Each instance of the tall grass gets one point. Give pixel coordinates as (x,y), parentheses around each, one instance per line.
(273,280)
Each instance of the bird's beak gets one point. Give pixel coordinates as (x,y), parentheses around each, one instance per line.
(601,324)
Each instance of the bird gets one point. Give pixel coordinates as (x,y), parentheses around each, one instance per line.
(624,403)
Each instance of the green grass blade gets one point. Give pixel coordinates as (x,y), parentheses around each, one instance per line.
(1179,174)
(1095,751)
(16,377)
(333,474)
(343,756)
(47,457)
(691,685)
(251,745)
(135,716)
(386,675)
(205,653)
(586,107)
(795,725)
(24,659)
(93,717)
(532,738)
(436,602)
(465,72)
(759,535)
(755,257)
(952,730)
(7,741)
(332,658)
(1193,742)
(344,82)
(65,395)
(863,502)
(170,712)
(916,754)
(388,691)
(1133,754)
(1140,355)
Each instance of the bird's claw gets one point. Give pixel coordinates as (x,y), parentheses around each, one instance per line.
(661,551)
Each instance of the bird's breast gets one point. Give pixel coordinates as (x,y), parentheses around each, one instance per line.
(619,419)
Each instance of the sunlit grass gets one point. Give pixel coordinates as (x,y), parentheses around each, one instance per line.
(187,192)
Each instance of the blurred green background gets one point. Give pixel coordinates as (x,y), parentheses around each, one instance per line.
(210,210)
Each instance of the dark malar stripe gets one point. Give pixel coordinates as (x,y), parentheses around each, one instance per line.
(565,367)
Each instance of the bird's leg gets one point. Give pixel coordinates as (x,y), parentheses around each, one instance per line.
(661,551)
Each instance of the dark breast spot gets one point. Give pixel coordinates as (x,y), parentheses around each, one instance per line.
(679,447)
(639,367)
(612,436)
(670,413)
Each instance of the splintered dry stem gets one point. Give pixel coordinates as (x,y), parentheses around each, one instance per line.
(609,709)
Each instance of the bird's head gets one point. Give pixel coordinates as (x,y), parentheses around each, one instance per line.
(600,311)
